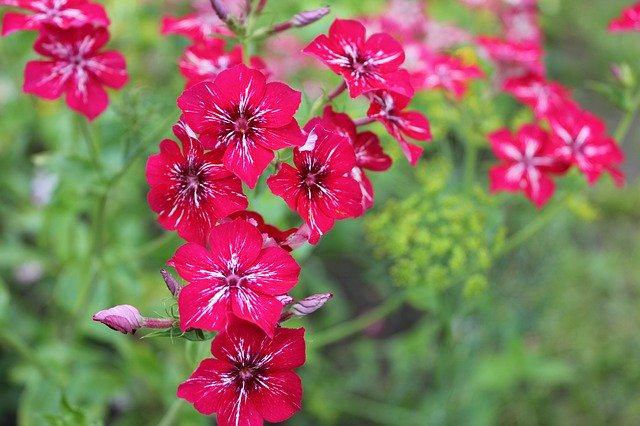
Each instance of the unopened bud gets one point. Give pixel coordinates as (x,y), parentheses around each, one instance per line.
(123,318)
(623,74)
(172,284)
(310,304)
(285,299)
(260,6)
(306,306)
(221,10)
(302,19)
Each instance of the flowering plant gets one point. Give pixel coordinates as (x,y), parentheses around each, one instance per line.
(267,161)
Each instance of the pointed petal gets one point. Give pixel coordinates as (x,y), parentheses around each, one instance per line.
(280,397)
(87,96)
(279,104)
(274,272)
(281,137)
(45,79)
(204,306)
(109,68)
(284,184)
(247,160)
(207,386)
(235,245)
(287,349)
(260,309)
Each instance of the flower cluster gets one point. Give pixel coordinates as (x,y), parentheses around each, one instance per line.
(71,34)
(563,134)
(238,131)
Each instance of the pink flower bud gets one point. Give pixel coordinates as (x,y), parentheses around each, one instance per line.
(309,16)
(221,10)
(285,299)
(172,284)
(123,318)
(305,306)
(310,304)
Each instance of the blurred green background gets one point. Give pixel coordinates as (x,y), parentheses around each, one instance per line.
(446,331)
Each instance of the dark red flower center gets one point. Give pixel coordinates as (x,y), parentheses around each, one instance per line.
(233,280)
(245,373)
(241,125)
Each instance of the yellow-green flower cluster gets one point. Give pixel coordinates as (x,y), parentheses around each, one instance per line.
(436,239)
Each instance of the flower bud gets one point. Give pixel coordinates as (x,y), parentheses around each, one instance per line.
(309,16)
(123,318)
(306,306)
(310,304)
(285,299)
(221,10)
(301,19)
(172,284)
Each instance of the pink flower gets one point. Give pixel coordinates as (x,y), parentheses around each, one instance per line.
(319,188)
(629,20)
(521,24)
(369,153)
(191,190)
(513,58)
(366,65)
(75,68)
(59,13)
(205,58)
(246,116)
(250,379)
(387,107)
(123,318)
(527,158)
(237,276)
(445,72)
(579,138)
(202,23)
(541,95)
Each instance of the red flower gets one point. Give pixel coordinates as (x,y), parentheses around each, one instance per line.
(542,96)
(387,107)
(237,276)
(76,68)
(629,20)
(59,13)
(319,188)
(366,65)
(250,378)
(579,138)
(369,153)
(527,158)
(205,58)
(445,72)
(248,117)
(191,190)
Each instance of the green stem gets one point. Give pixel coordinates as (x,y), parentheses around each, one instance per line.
(325,99)
(350,327)
(171,414)
(470,160)
(94,149)
(627,120)
(541,220)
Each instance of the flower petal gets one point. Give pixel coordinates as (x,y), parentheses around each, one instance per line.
(280,397)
